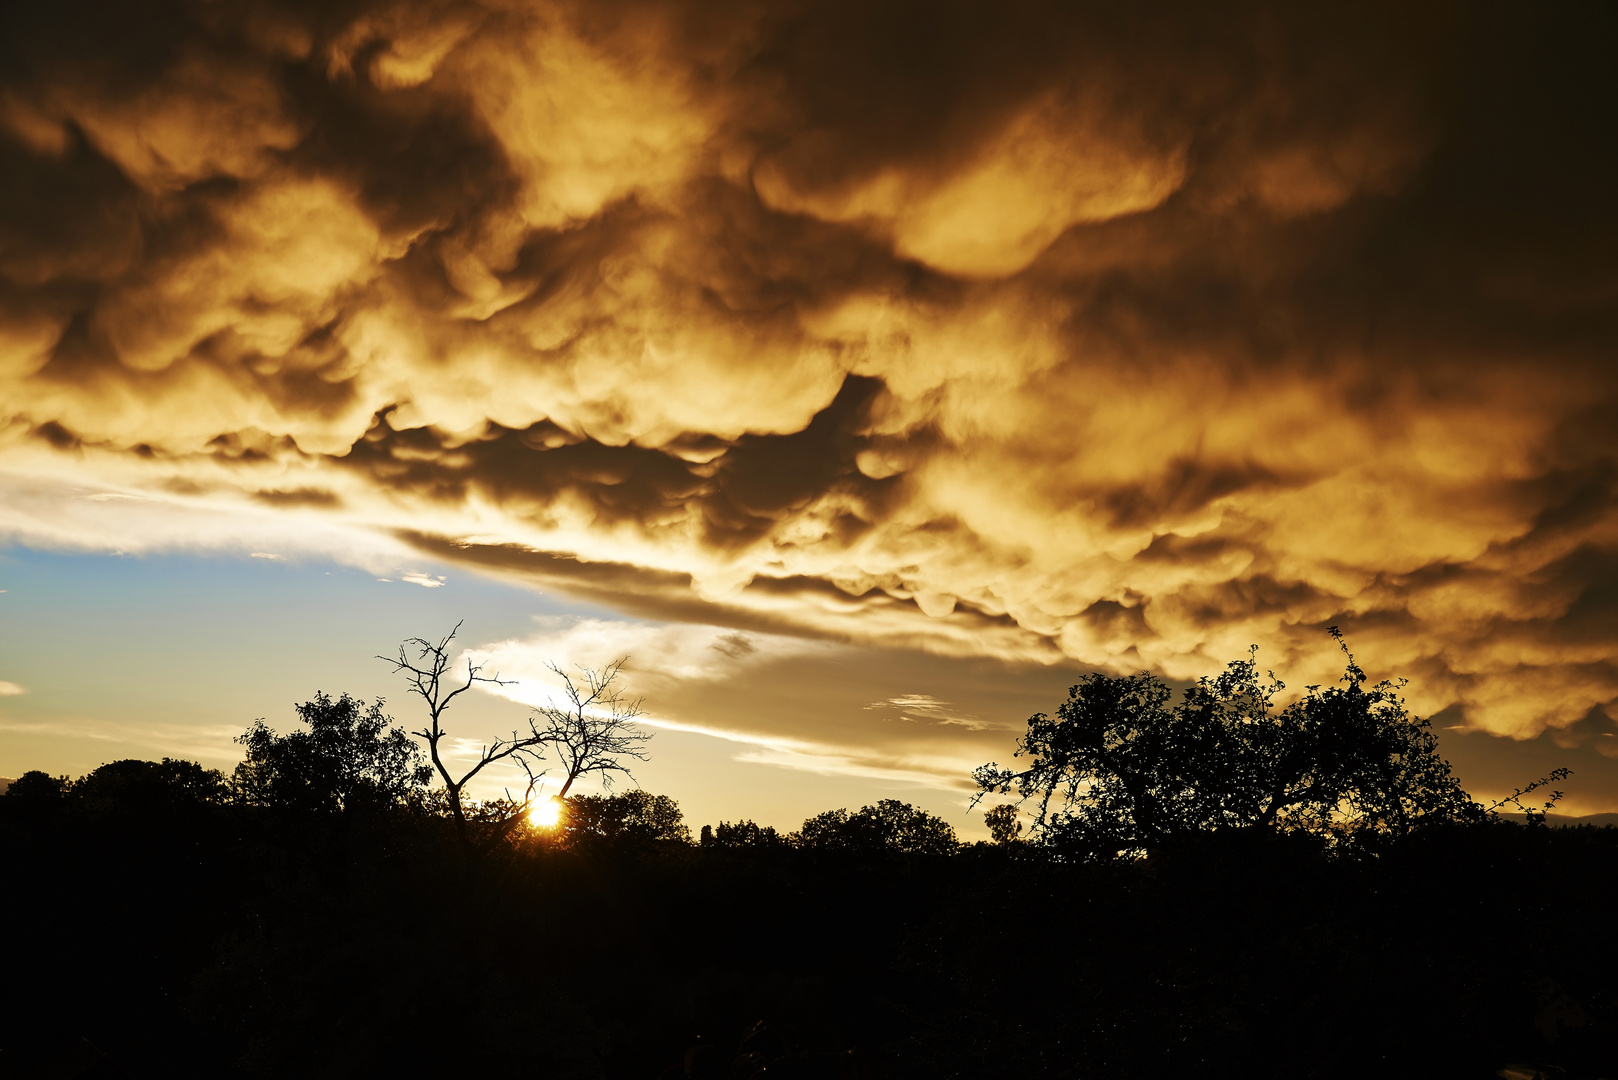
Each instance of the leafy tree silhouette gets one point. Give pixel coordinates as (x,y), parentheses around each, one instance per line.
(349,757)
(35,784)
(742,834)
(150,786)
(889,826)
(1004,828)
(1534,816)
(1119,769)
(636,816)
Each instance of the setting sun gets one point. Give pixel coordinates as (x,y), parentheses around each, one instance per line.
(546,813)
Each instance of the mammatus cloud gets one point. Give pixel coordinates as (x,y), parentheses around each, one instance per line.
(1126,337)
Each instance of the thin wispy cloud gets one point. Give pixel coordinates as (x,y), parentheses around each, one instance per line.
(658,656)
(934,771)
(208,743)
(911,702)
(426,581)
(924,708)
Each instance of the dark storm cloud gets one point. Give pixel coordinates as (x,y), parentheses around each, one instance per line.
(1124,335)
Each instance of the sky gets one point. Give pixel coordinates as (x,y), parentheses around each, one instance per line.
(865,372)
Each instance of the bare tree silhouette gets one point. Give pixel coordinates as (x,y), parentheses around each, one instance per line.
(594,730)
(429,677)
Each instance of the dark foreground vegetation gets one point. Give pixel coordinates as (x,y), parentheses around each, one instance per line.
(1210,888)
(181,937)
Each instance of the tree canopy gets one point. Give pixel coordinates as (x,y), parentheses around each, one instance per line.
(889,826)
(632,816)
(1004,828)
(38,784)
(170,784)
(743,834)
(1121,768)
(349,757)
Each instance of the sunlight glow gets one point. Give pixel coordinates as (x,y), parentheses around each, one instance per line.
(546,814)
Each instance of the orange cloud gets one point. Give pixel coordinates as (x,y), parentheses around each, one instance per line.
(1045,333)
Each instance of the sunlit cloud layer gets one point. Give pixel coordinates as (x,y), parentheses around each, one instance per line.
(1118,336)
(655,657)
(761,692)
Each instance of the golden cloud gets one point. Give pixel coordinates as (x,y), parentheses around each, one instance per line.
(1038,332)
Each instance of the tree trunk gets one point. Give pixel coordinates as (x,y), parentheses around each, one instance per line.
(460,815)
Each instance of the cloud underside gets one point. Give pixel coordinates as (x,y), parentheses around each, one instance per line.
(1048,333)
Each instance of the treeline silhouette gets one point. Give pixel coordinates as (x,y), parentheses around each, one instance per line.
(1264,901)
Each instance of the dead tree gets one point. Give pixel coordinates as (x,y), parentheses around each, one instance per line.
(429,677)
(593,730)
